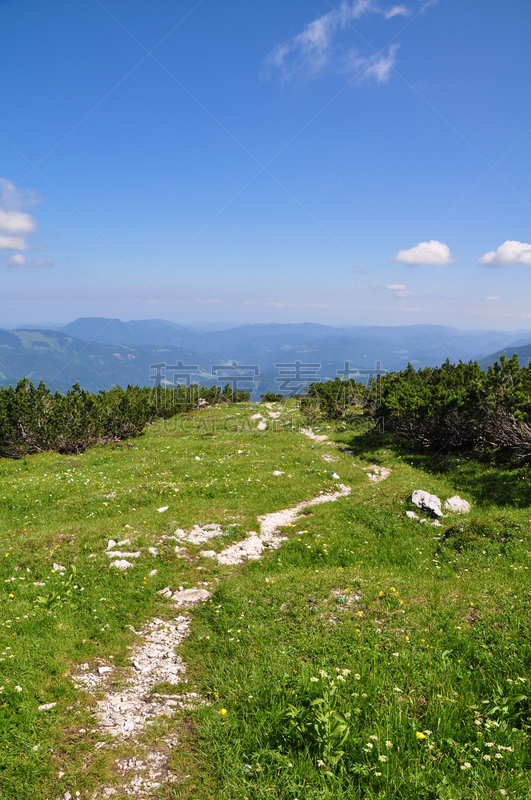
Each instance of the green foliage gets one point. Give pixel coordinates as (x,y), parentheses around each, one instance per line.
(35,420)
(317,715)
(271,397)
(452,407)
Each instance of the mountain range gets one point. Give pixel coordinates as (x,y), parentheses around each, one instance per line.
(100,353)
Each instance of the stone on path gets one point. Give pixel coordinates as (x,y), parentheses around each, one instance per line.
(378,473)
(190,597)
(199,534)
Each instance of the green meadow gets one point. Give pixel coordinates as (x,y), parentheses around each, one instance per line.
(371,656)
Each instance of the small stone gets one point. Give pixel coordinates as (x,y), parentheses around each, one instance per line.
(46,706)
(121,564)
(111,544)
(208,553)
(153,551)
(163,508)
(104,670)
(118,553)
(152,573)
(429,503)
(190,597)
(457,503)
(412,515)
(166,592)
(59,568)
(276,472)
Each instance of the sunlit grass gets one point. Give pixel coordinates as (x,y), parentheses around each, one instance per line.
(428,626)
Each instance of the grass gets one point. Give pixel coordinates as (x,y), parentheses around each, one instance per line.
(372,656)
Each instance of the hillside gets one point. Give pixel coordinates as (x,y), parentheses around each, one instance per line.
(235,606)
(60,360)
(523,353)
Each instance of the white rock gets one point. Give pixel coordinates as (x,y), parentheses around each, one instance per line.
(276,472)
(152,573)
(119,554)
(378,474)
(199,534)
(457,503)
(153,551)
(197,458)
(190,597)
(166,592)
(250,548)
(436,523)
(111,544)
(104,670)
(412,515)
(121,564)
(124,542)
(59,568)
(164,508)
(208,553)
(46,706)
(429,503)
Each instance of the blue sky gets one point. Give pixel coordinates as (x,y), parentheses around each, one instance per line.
(361,162)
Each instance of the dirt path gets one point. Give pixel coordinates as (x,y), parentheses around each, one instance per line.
(125,713)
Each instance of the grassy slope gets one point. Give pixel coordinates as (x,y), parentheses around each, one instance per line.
(434,631)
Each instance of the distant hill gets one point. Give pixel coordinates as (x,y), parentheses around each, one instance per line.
(60,361)
(100,353)
(523,353)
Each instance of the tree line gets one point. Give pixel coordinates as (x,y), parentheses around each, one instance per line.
(33,419)
(454,406)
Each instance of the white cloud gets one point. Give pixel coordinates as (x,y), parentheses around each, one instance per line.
(362,286)
(12,221)
(508,253)
(359,270)
(381,66)
(17,260)
(12,243)
(397,11)
(399,289)
(411,309)
(15,224)
(316,49)
(493,297)
(14,198)
(431,253)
